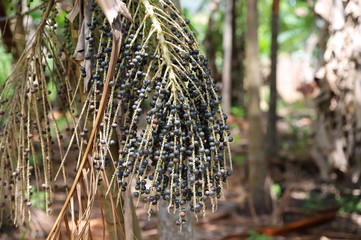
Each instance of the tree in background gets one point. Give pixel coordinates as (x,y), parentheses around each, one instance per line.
(337,128)
(218,47)
(238,54)
(271,139)
(227,57)
(13,39)
(257,164)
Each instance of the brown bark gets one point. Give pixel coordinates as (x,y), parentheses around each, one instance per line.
(337,137)
(227,58)
(238,56)
(257,164)
(19,33)
(271,139)
(167,228)
(14,40)
(211,42)
(7,34)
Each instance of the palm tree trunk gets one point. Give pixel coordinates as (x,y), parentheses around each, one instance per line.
(336,134)
(169,230)
(256,157)
(272,112)
(227,58)
(14,41)
(238,56)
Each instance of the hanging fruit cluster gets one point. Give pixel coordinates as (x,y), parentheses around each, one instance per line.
(183,148)
(172,138)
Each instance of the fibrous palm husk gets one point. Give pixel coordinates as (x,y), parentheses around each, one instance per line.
(337,129)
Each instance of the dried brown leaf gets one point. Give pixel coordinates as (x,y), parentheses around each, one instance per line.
(113,8)
(88,64)
(66,5)
(80,46)
(74,11)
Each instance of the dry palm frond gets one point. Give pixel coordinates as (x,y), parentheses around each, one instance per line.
(142,102)
(28,119)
